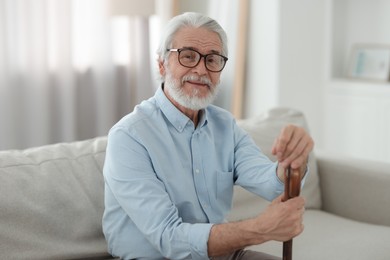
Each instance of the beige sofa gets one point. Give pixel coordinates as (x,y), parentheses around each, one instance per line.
(51,201)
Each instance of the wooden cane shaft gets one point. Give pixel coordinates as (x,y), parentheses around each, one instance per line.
(292,188)
(287,250)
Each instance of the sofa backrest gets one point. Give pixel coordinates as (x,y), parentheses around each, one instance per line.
(51,201)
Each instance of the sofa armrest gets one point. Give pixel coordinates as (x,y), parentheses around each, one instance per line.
(355,189)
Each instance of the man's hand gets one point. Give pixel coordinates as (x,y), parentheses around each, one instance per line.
(292,148)
(281,221)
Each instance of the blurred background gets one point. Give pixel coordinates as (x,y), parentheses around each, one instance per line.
(70,69)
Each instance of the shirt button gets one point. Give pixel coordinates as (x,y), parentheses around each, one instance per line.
(197,170)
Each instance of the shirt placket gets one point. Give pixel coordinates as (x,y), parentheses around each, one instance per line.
(199,174)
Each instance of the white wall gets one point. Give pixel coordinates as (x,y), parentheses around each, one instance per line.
(286,62)
(199,6)
(302,60)
(262,67)
(357,112)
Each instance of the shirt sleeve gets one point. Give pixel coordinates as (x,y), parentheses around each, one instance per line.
(142,196)
(254,171)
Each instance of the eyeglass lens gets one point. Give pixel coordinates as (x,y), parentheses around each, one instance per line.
(191,58)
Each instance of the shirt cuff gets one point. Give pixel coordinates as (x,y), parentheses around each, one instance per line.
(305,176)
(198,238)
(278,183)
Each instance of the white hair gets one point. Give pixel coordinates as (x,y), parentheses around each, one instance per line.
(189,19)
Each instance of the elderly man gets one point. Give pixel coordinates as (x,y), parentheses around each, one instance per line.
(171,164)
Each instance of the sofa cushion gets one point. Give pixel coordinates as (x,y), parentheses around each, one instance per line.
(264,129)
(51,201)
(327,236)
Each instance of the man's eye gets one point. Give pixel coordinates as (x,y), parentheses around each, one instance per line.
(213,59)
(188,56)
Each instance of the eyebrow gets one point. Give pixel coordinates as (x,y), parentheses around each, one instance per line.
(196,49)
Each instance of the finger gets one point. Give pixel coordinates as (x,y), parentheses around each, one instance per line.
(293,150)
(302,160)
(273,149)
(298,157)
(296,137)
(300,229)
(278,199)
(298,141)
(283,140)
(297,202)
(305,148)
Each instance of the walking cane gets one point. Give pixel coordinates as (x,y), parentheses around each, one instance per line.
(292,187)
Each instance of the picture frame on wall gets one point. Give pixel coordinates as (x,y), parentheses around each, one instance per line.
(369,62)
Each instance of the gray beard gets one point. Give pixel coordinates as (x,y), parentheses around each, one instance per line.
(190,101)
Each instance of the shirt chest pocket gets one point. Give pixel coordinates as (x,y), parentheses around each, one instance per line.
(225,189)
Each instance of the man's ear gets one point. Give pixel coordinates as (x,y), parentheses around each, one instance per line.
(161,67)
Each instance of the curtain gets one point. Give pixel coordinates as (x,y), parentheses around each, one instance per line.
(226,13)
(68,70)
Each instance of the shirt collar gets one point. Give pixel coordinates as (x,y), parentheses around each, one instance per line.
(174,115)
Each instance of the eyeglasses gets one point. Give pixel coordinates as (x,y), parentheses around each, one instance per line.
(190,58)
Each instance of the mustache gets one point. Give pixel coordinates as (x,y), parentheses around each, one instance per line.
(201,79)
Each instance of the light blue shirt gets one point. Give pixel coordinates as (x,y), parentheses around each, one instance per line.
(167,182)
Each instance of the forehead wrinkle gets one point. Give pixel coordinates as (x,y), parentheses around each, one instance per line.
(190,38)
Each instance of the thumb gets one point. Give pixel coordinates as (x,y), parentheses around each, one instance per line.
(278,199)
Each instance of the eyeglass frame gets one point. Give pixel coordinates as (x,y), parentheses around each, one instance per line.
(204,56)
